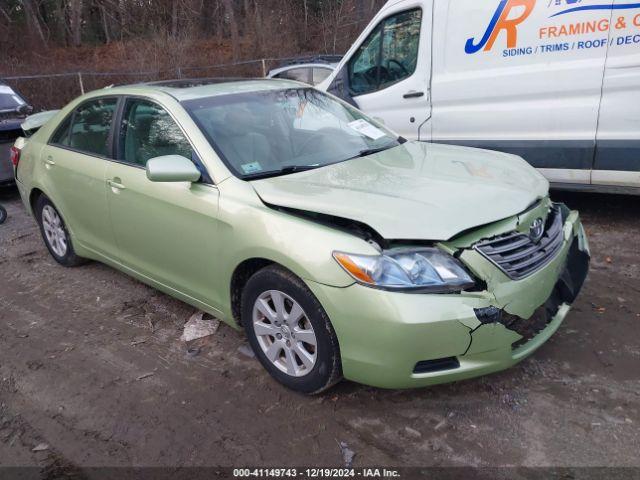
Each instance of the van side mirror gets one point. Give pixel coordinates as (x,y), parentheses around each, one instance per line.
(172,168)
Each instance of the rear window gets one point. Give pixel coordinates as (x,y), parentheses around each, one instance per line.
(297,74)
(9,99)
(320,75)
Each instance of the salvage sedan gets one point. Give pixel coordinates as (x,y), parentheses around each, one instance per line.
(342,249)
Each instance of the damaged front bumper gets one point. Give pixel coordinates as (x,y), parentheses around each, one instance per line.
(400,340)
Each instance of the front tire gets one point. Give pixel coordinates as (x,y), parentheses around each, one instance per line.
(55,234)
(290,332)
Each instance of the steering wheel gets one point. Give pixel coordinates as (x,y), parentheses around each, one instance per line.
(369,76)
(402,67)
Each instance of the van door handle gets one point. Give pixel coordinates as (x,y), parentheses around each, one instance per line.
(413,95)
(115,184)
(49,162)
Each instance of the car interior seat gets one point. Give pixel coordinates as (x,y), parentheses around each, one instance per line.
(91,131)
(235,134)
(164,138)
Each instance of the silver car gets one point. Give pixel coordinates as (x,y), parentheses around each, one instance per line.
(312,72)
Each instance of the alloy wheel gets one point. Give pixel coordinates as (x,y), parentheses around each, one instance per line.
(285,333)
(54,231)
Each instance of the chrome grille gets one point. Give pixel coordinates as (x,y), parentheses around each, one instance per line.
(517,255)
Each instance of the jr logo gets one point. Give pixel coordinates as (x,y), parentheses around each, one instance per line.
(501,21)
(558,3)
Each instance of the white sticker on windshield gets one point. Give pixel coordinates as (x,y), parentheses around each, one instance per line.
(6,89)
(365,128)
(254,167)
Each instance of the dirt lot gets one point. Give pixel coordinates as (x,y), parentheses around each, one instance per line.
(75,344)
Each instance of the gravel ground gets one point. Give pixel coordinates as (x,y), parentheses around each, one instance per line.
(92,366)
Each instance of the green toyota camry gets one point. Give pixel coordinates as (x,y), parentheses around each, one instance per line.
(341,249)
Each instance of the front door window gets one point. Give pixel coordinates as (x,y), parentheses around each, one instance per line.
(148,131)
(389,55)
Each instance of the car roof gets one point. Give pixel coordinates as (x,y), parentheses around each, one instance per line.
(191,89)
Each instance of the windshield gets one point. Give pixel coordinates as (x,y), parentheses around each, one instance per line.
(9,100)
(282,131)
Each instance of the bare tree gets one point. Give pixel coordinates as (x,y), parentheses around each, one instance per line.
(75,20)
(331,18)
(233,27)
(174,18)
(5,15)
(33,20)
(105,23)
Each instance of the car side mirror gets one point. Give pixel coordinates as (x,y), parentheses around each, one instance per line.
(172,168)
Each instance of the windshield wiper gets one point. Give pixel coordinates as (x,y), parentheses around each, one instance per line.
(370,151)
(283,171)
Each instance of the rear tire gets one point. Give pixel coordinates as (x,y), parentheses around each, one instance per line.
(290,332)
(55,234)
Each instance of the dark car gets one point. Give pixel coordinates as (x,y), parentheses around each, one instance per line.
(13,110)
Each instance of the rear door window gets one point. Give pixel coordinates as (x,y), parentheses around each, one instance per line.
(61,135)
(320,75)
(87,129)
(297,74)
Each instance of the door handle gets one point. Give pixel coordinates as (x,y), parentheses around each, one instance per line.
(49,162)
(413,95)
(115,184)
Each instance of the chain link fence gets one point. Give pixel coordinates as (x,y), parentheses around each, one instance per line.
(52,91)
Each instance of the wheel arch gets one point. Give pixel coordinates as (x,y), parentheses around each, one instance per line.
(34,195)
(239,278)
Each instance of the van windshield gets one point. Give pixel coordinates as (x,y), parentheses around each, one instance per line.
(276,132)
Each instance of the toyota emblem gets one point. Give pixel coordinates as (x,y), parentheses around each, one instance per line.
(536,231)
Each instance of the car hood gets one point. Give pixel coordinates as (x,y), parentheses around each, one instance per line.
(416,191)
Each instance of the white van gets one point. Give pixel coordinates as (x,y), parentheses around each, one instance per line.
(555,81)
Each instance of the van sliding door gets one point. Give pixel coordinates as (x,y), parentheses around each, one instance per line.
(617,159)
(522,76)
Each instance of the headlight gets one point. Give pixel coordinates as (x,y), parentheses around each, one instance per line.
(428,269)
